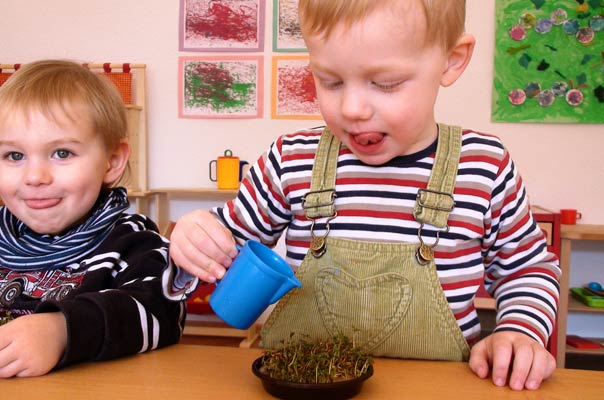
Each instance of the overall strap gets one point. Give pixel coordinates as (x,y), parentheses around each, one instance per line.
(434,203)
(319,201)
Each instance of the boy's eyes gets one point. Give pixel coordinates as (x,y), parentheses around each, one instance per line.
(62,153)
(387,86)
(15,156)
(331,84)
(384,86)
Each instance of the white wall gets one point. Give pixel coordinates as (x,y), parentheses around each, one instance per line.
(562,165)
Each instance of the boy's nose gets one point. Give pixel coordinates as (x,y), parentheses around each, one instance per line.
(356,106)
(37,173)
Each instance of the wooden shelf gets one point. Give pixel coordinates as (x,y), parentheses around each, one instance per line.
(138,193)
(570,234)
(213,326)
(598,352)
(582,232)
(196,191)
(484,303)
(577,306)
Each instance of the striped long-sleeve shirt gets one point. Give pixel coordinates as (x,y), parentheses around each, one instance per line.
(112,299)
(493,237)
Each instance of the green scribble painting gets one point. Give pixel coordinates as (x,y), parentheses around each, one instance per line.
(549,61)
(220,87)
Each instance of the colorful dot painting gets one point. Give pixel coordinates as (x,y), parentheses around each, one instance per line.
(549,61)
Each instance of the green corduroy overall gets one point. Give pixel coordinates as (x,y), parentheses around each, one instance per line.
(386,297)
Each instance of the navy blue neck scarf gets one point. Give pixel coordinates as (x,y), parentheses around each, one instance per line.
(23,249)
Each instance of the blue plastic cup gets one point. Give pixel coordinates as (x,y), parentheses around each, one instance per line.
(257,278)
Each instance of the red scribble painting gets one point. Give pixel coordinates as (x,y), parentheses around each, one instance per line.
(294,95)
(222,25)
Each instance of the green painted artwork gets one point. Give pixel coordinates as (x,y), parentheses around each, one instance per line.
(549,61)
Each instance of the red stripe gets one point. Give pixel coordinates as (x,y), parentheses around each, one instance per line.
(514,252)
(471,227)
(268,183)
(295,187)
(525,325)
(253,195)
(375,214)
(297,156)
(380,181)
(298,243)
(480,158)
(464,313)
(238,223)
(462,284)
(513,229)
(472,192)
(457,253)
(528,271)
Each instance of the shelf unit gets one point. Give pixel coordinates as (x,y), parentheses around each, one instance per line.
(569,234)
(161,197)
(204,323)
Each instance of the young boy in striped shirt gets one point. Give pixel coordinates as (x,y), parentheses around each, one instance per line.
(392,220)
(80,277)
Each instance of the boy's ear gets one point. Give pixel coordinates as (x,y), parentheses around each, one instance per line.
(458,59)
(118,160)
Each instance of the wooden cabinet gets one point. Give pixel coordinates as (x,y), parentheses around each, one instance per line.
(569,235)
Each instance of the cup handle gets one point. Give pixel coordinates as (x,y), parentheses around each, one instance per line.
(238,249)
(579,215)
(241,164)
(210,170)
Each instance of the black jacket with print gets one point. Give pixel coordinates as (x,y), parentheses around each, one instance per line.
(112,300)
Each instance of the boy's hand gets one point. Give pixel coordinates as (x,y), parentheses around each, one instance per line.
(528,362)
(32,345)
(203,247)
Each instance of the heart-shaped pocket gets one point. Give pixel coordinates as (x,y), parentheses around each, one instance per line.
(367,309)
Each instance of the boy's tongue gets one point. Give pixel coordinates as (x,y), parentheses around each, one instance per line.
(366,138)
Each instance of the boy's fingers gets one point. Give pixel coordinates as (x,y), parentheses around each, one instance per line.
(479,360)
(523,364)
(502,356)
(217,243)
(543,367)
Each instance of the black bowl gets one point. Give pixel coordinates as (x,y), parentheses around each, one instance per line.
(314,391)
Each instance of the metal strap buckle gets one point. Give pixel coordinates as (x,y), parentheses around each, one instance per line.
(424,253)
(421,203)
(318,193)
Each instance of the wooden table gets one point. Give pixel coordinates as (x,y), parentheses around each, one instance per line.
(206,372)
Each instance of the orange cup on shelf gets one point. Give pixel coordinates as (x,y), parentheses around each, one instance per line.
(569,216)
(228,171)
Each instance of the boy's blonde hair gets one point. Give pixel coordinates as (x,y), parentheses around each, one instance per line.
(51,86)
(445,18)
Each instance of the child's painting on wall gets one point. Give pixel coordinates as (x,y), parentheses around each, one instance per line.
(220,87)
(549,61)
(287,36)
(294,95)
(226,25)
